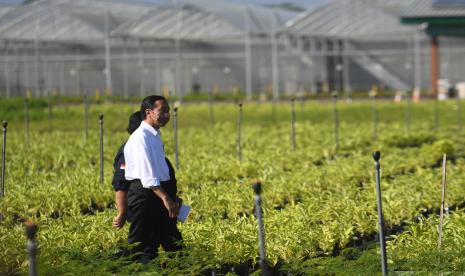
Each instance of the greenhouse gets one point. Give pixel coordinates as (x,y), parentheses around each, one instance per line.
(132,48)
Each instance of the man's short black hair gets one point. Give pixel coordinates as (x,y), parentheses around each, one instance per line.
(134,121)
(149,103)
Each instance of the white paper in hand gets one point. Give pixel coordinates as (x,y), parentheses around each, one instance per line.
(183,212)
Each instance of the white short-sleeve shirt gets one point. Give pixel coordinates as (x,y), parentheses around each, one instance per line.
(145,157)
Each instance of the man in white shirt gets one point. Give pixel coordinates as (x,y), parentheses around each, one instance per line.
(152,198)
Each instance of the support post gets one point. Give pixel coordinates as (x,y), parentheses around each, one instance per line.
(382,243)
(31,231)
(175,137)
(434,66)
(257,187)
(239,128)
(101,147)
(5,125)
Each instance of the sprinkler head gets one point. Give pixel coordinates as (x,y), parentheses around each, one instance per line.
(376,155)
(257,187)
(175,109)
(31,230)
(240,105)
(100,116)
(5,124)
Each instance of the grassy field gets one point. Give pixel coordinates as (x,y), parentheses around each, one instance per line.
(319,202)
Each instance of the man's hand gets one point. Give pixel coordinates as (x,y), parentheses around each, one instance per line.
(119,220)
(172,207)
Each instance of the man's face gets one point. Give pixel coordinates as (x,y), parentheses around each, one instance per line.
(160,114)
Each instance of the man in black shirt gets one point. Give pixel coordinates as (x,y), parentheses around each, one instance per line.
(120,184)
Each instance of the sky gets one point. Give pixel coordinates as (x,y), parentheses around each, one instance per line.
(302,3)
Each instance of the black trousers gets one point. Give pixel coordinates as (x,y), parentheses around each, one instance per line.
(150,223)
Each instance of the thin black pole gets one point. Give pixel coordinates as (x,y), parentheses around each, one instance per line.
(257,187)
(239,128)
(376,157)
(31,231)
(26,119)
(101,147)
(175,137)
(375,117)
(293,124)
(86,117)
(5,125)
(336,121)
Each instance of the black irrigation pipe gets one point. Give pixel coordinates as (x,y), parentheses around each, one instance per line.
(239,128)
(5,125)
(382,242)
(175,137)
(26,120)
(336,121)
(101,147)
(293,142)
(86,117)
(257,187)
(31,231)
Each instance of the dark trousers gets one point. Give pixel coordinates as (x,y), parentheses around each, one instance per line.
(150,223)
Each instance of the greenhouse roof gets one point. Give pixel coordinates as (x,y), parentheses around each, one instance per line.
(67,20)
(440,17)
(204,19)
(352,19)
(90,20)
(168,23)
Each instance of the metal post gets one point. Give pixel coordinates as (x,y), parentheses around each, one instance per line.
(31,231)
(443,200)
(26,119)
(125,69)
(293,123)
(274,57)
(107,54)
(376,157)
(257,187)
(5,125)
(101,147)
(175,137)
(336,120)
(239,127)
(86,117)
(142,69)
(248,55)
(177,46)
